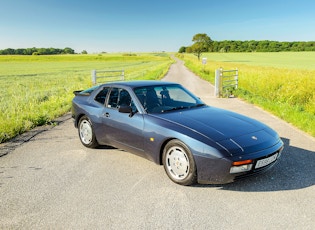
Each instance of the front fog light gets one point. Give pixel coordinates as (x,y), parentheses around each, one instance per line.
(241,168)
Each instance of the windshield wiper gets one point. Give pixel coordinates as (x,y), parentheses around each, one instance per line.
(176,108)
(199,105)
(182,107)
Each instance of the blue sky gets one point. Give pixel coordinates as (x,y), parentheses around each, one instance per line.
(148,25)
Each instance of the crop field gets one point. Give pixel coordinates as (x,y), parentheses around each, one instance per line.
(36,89)
(281,83)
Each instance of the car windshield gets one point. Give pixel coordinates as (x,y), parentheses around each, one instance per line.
(166,98)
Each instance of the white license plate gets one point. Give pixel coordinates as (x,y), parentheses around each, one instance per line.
(266,161)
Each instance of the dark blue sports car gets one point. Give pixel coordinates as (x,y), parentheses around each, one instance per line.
(165,123)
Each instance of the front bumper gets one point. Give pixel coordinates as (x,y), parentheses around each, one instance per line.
(217,171)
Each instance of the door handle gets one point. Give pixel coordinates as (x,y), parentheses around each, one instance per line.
(106,115)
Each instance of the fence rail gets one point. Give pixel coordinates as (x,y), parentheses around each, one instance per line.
(226,81)
(103,76)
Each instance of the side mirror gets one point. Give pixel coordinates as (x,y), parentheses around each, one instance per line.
(125,109)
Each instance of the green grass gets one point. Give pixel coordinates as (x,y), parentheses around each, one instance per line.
(283,84)
(36,89)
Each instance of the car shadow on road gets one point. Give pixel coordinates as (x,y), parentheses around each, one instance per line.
(295,170)
(105,147)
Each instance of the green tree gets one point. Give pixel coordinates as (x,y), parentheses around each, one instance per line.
(68,50)
(202,43)
(182,49)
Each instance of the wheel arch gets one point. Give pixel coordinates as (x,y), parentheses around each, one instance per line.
(76,122)
(162,149)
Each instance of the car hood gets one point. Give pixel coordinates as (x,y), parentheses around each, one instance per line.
(234,132)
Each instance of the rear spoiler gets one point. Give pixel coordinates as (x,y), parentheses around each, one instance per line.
(79,92)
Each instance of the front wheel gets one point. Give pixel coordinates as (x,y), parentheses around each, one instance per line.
(179,163)
(86,133)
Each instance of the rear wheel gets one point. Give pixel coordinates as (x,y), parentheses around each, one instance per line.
(86,133)
(179,163)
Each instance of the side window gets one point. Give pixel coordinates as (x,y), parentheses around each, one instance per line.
(119,97)
(101,96)
(113,98)
(124,98)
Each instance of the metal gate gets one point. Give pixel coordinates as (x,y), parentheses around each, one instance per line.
(102,76)
(226,81)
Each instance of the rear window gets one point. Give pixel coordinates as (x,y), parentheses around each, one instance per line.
(86,92)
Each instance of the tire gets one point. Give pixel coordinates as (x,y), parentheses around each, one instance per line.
(179,163)
(86,133)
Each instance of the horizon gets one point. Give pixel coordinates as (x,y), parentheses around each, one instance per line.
(102,52)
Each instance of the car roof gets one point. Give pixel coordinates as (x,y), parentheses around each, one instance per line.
(139,83)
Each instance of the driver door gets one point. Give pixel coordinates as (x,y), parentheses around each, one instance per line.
(123,129)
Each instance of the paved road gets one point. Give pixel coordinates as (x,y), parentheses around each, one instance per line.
(48,180)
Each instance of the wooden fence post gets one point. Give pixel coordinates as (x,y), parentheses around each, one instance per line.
(94,77)
(217,83)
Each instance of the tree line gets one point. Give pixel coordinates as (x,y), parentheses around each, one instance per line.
(261,46)
(203,43)
(36,51)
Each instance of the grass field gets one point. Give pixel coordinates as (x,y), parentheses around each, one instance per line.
(36,89)
(281,83)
